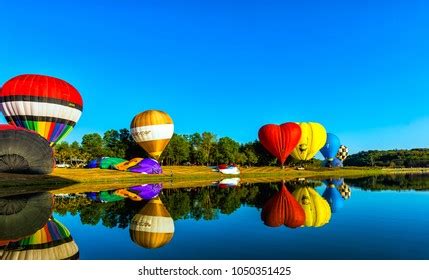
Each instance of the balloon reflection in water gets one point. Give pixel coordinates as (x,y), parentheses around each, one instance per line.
(283,209)
(333,196)
(147,191)
(52,242)
(153,226)
(316,208)
(22,215)
(345,190)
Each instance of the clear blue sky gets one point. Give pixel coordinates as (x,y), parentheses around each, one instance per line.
(360,68)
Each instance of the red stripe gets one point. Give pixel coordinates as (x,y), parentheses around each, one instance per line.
(40,85)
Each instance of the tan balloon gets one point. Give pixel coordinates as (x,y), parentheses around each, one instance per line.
(153,226)
(152,130)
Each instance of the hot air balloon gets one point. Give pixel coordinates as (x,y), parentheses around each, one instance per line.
(152,130)
(283,209)
(147,191)
(47,105)
(127,164)
(23,151)
(153,226)
(345,191)
(23,215)
(52,242)
(313,138)
(333,196)
(146,166)
(280,140)
(316,208)
(343,153)
(127,194)
(330,150)
(106,196)
(110,162)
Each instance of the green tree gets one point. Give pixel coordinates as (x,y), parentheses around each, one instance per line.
(92,144)
(113,145)
(177,151)
(207,146)
(196,153)
(227,150)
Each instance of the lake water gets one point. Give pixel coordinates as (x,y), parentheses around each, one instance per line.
(369,218)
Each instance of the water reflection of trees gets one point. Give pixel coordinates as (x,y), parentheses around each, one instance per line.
(208,203)
(192,203)
(392,182)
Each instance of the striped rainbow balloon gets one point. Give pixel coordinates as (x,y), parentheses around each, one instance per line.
(47,105)
(152,130)
(52,242)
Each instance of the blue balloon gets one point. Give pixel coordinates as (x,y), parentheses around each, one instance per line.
(330,150)
(336,182)
(334,198)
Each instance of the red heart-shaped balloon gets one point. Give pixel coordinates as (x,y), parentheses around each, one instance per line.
(280,140)
(283,209)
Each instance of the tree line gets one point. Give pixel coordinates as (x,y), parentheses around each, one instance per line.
(194,149)
(390,158)
(207,149)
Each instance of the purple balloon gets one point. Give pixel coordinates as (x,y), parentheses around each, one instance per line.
(147,166)
(147,191)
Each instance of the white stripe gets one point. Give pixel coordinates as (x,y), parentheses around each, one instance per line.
(153,224)
(40,109)
(152,132)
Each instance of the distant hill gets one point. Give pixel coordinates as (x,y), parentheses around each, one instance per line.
(390,158)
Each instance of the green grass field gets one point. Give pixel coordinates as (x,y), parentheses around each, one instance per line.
(76,180)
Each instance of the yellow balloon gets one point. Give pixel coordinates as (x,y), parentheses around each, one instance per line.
(316,208)
(152,130)
(313,138)
(153,226)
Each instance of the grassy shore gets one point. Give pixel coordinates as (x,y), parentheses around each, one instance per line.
(173,177)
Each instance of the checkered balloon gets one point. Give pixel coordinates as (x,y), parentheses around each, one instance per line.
(343,152)
(345,191)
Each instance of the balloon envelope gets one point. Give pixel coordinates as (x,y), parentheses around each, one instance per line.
(153,226)
(333,196)
(109,162)
(52,242)
(47,105)
(147,166)
(152,130)
(345,191)
(280,140)
(330,150)
(23,151)
(316,208)
(313,138)
(343,153)
(283,209)
(127,164)
(147,191)
(23,215)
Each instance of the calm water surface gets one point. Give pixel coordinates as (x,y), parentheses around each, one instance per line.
(370,218)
